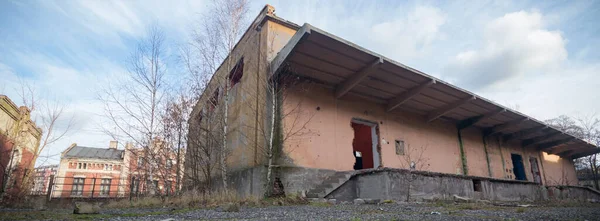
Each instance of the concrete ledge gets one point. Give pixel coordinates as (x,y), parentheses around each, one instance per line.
(252,181)
(576,193)
(437,174)
(405,185)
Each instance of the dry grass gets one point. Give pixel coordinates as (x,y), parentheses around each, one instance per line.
(206,200)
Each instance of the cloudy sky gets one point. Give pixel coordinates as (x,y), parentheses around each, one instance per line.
(540,57)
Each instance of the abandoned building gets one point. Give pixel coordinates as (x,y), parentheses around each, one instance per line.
(350,123)
(19,141)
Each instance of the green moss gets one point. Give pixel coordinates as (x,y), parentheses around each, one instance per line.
(462,155)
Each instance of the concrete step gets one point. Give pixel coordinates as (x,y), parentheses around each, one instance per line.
(330,184)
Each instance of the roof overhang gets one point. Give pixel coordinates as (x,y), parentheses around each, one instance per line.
(350,70)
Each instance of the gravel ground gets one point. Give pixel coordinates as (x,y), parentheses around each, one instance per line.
(322,211)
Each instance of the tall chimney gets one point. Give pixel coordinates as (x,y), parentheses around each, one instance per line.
(113,144)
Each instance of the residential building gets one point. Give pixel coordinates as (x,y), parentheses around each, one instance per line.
(92,172)
(153,170)
(41,179)
(333,109)
(19,140)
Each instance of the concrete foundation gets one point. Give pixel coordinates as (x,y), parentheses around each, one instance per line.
(404,185)
(251,181)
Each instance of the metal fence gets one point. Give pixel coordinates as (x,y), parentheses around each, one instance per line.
(81,187)
(104,187)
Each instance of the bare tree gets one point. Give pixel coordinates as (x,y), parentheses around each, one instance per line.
(176,129)
(586,128)
(276,122)
(53,124)
(213,43)
(414,159)
(133,106)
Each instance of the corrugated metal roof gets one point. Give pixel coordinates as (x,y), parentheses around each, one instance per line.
(96,153)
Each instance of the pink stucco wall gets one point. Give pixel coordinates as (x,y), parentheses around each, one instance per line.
(323,139)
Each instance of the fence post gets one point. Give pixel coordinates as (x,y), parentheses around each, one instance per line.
(93,186)
(131,188)
(137,188)
(50,184)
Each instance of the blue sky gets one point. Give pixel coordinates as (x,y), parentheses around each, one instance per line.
(540,57)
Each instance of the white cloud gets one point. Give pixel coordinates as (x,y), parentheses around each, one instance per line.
(515,45)
(409,37)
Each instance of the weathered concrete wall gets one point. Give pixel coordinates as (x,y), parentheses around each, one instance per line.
(388,183)
(498,164)
(475,152)
(512,191)
(577,193)
(247,111)
(328,143)
(299,179)
(247,182)
(251,181)
(558,171)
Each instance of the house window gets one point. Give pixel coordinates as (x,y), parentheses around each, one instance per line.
(140,161)
(77,189)
(236,73)
(110,167)
(399,147)
(85,166)
(169,164)
(78,165)
(105,187)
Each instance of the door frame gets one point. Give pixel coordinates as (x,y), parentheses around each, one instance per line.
(539,171)
(374,139)
(522,170)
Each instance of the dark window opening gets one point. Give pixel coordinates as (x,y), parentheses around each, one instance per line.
(477,185)
(518,167)
(214,100)
(399,147)
(236,73)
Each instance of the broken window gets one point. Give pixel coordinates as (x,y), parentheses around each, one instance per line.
(235,76)
(477,185)
(214,100)
(399,147)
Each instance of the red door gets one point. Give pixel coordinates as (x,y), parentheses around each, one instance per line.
(363,143)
